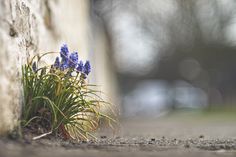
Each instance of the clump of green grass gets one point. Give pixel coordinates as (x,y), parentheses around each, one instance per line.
(58,98)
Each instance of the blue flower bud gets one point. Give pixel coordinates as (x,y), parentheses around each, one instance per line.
(64,52)
(87,68)
(57,63)
(73,59)
(64,65)
(80,66)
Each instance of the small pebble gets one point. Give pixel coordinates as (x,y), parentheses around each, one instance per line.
(150,142)
(201,136)
(103,137)
(153,139)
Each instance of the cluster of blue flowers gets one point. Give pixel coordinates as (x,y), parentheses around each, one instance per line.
(71,60)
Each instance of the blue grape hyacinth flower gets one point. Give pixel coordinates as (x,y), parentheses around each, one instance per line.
(64,65)
(57,63)
(80,66)
(64,52)
(87,68)
(73,60)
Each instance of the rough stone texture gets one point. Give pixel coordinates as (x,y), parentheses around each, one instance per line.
(18,39)
(29,27)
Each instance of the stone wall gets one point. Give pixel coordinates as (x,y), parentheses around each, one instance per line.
(29,27)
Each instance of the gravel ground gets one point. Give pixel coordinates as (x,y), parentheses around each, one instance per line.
(119,147)
(140,137)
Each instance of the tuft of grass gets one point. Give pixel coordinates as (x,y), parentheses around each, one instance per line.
(60,101)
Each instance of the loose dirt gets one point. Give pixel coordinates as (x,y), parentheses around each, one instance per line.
(179,135)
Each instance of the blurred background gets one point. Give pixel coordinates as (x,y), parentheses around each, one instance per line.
(170,55)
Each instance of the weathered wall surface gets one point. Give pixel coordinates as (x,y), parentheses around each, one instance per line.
(28,27)
(19,37)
